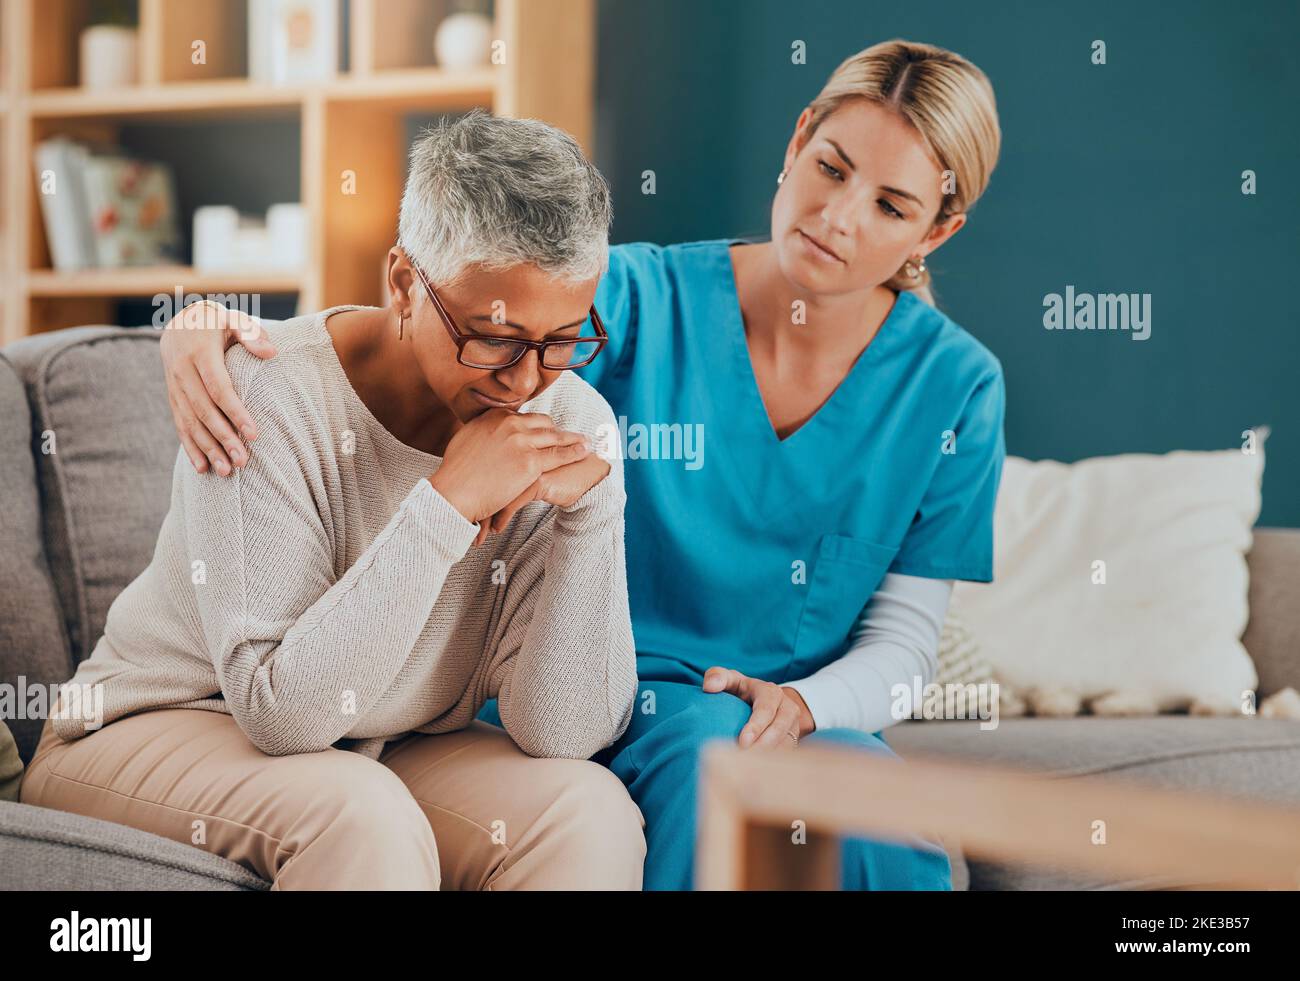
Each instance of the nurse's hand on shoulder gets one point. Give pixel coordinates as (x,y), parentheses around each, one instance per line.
(777,713)
(205,410)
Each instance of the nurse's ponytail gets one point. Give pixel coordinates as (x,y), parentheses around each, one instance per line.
(947,99)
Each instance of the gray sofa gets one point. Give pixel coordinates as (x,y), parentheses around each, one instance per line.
(80,522)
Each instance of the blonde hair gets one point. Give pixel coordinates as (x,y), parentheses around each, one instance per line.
(949,102)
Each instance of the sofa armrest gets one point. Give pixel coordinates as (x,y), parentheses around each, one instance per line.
(44,849)
(1273,634)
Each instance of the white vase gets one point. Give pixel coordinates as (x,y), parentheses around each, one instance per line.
(463,41)
(108,57)
(286,231)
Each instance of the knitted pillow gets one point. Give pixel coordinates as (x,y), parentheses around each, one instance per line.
(961,663)
(1121,582)
(960,659)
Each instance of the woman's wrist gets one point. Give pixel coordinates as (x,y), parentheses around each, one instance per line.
(452,496)
(807,723)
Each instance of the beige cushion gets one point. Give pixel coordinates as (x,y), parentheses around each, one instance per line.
(1120,582)
(961,687)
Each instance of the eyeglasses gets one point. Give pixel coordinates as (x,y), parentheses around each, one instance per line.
(481,351)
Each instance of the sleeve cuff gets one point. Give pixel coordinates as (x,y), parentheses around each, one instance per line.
(828,700)
(438,516)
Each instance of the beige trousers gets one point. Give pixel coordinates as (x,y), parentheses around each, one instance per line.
(462,810)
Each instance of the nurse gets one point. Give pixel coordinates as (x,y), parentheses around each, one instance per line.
(785,590)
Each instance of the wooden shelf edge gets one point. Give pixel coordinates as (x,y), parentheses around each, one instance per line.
(151,280)
(413,86)
(212,95)
(397,82)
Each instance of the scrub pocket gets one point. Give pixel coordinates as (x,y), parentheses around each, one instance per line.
(848,571)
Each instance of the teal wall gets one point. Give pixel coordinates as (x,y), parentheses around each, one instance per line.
(1117,178)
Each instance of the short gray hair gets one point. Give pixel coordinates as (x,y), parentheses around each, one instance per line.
(495,192)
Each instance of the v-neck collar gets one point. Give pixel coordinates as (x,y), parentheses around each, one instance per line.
(844,393)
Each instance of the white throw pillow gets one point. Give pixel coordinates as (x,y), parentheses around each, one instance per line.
(1120,582)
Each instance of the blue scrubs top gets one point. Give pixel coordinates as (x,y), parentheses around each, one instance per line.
(757,553)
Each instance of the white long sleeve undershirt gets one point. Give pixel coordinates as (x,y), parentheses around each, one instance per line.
(896,639)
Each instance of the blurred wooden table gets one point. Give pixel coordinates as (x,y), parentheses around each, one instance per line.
(751,801)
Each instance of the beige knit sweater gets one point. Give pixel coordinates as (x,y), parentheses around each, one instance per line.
(326,594)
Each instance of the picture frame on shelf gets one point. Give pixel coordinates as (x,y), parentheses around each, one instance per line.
(292,41)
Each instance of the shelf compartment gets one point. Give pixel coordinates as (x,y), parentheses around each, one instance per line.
(56,27)
(222,25)
(376,47)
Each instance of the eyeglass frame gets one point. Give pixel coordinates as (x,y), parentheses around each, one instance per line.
(461,338)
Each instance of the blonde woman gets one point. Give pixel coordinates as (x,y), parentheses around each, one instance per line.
(293,681)
(791,582)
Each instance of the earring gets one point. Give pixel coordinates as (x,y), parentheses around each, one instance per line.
(401,322)
(912,270)
(780,178)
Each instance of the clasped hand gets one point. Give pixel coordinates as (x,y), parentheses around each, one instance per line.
(501,460)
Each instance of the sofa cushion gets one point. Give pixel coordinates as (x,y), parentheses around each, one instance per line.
(1121,582)
(33,642)
(100,391)
(11,765)
(42,848)
(1247,758)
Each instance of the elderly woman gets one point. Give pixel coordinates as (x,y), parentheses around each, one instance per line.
(292,683)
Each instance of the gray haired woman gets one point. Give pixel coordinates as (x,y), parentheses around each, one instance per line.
(292,683)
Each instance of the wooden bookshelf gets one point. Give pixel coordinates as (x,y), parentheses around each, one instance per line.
(354,122)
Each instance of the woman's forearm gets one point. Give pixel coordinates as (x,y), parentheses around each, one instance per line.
(571,685)
(297,662)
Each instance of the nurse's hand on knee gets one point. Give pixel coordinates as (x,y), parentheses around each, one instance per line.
(778,717)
